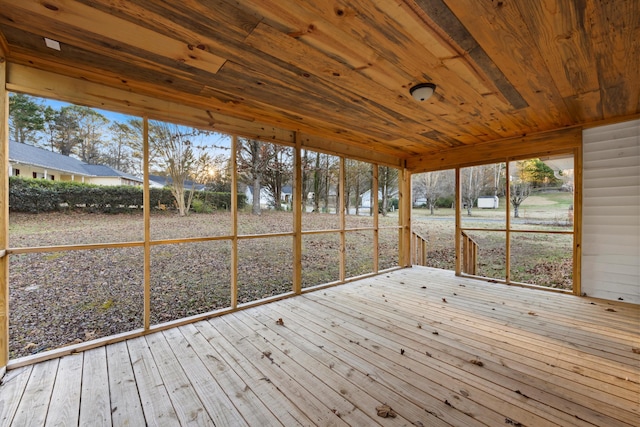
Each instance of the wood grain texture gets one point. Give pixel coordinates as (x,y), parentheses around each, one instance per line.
(342,71)
(4,212)
(341,352)
(531,145)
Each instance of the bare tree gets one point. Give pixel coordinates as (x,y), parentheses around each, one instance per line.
(123,148)
(432,185)
(388,185)
(91,125)
(278,171)
(175,150)
(357,182)
(253,159)
(473,184)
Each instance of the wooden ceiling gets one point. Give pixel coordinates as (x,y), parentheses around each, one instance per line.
(342,69)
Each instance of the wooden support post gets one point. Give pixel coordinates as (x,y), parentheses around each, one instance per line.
(234,223)
(146,204)
(458,232)
(376,219)
(343,221)
(507,208)
(577,220)
(405,217)
(297,216)
(4,215)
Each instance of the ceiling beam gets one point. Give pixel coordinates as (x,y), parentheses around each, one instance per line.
(544,143)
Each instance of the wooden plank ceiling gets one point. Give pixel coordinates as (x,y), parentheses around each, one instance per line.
(342,69)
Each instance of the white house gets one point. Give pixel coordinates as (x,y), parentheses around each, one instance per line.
(33,162)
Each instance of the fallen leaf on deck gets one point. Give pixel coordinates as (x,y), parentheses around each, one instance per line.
(401,351)
(476,362)
(423,287)
(444,300)
(280,322)
(418,423)
(610,309)
(435,333)
(636,350)
(514,423)
(532,313)
(385,411)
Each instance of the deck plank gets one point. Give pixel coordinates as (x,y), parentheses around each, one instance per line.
(332,382)
(185,400)
(65,399)
(34,404)
(253,411)
(216,402)
(269,395)
(156,405)
(11,389)
(95,405)
(264,356)
(126,409)
(513,371)
(547,359)
(490,379)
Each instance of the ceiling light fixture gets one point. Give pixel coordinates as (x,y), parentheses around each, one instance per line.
(422,91)
(52,44)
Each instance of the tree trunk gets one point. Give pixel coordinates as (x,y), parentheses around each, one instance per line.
(516,211)
(256,195)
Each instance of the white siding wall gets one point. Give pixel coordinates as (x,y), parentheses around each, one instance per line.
(611,212)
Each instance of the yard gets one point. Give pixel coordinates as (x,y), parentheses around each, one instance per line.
(64,297)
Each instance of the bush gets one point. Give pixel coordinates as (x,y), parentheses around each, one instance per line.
(41,195)
(444,202)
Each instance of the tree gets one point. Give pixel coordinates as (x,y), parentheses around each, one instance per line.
(253,159)
(518,192)
(26,118)
(387,183)
(432,185)
(473,183)
(91,125)
(537,173)
(520,184)
(357,181)
(175,149)
(278,171)
(65,131)
(124,145)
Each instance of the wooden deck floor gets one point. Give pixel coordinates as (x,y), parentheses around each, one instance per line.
(439,350)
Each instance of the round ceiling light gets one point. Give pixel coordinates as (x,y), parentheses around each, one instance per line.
(422,91)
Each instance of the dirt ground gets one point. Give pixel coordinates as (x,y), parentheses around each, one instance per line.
(62,297)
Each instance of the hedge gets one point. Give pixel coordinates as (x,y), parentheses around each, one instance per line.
(40,195)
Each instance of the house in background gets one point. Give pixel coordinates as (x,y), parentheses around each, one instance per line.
(29,161)
(266,198)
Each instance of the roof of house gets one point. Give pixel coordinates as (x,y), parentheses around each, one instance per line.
(167,180)
(35,156)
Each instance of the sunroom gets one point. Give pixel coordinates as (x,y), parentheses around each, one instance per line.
(471,291)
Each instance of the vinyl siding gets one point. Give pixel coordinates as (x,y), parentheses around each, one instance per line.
(611,212)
